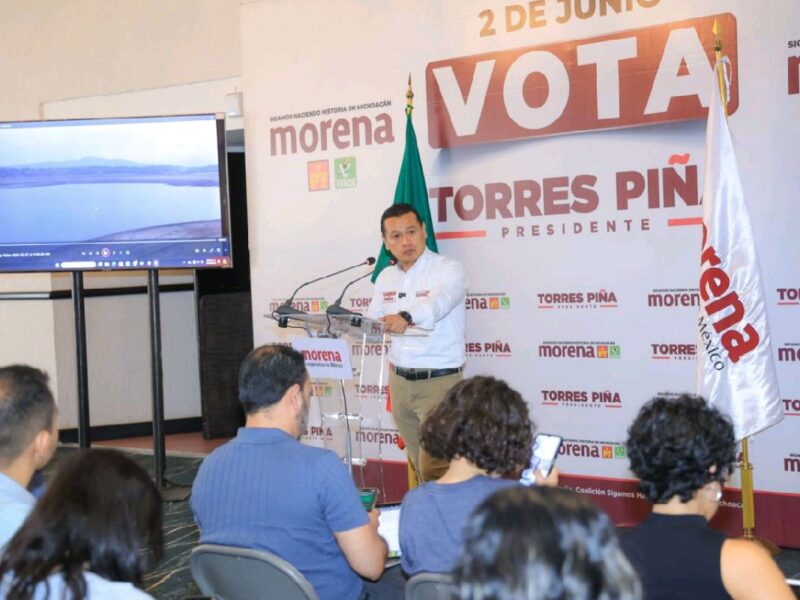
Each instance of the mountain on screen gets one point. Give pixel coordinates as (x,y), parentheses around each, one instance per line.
(92,169)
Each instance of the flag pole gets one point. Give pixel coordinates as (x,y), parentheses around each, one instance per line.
(746,467)
(413,481)
(409,97)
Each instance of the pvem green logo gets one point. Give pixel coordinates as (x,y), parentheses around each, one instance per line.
(344,170)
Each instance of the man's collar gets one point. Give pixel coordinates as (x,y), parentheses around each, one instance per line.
(262,435)
(12,486)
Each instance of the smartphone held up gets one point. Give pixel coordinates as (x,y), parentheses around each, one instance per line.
(543,456)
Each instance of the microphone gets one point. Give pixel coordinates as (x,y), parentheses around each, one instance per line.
(337,309)
(285,310)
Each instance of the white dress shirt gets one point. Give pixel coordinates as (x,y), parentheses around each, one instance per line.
(433,291)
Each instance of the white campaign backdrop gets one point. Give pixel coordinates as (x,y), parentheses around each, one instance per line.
(302,57)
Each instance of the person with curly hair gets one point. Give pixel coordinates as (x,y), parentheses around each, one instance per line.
(482,429)
(542,543)
(93,534)
(682,450)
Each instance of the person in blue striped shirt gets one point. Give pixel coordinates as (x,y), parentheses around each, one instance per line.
(266,490)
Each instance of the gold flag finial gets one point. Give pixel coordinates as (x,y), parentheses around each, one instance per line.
(409,97)
(719,67)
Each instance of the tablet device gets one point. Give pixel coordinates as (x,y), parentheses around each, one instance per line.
(389,528)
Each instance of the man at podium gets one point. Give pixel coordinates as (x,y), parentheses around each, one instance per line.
(424,290)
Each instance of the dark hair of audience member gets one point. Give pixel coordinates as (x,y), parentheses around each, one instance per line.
(542,543)
(101,513)
(26,408)
(267,373)
(483,420)
(673,443)
(398,210)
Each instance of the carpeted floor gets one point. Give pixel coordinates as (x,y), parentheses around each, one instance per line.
(172,580)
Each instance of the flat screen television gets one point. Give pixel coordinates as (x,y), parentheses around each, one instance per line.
(122,193)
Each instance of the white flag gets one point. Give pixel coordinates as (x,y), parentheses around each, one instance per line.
(735,369)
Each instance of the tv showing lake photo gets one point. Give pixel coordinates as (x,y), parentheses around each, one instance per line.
(95,187)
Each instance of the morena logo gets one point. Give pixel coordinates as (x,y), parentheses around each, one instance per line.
(602,298)
(340,133)
(328,356)
(789,353)
(791,464)
(312,305)
(579,350)
(674,298)
(724,309)
(495,301)
(592,449)
(369,349)
(376,436)
(582,398)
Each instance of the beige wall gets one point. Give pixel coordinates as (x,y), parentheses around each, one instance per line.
(57,50)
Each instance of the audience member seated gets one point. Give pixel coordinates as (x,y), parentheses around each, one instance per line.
(542,543)
(28,438)
(482,428)
(682,450)
(266,490)
(93,534)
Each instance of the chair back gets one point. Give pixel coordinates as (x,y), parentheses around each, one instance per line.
(430,586)
(230,573)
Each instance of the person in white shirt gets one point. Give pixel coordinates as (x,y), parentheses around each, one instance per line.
(28,438)
(427,291)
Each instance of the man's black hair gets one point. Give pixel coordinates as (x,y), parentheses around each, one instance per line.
(26,408)
(267,373)
(398,210)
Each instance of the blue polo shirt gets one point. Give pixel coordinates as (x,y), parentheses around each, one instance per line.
(266,490)
(433,518)
(15,504)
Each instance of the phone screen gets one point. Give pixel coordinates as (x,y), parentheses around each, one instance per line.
(543,457)
(368,497)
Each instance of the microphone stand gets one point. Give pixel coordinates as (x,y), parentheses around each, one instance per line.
(286,310)
(337,309)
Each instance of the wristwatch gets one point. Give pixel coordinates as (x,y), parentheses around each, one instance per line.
(407,316)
